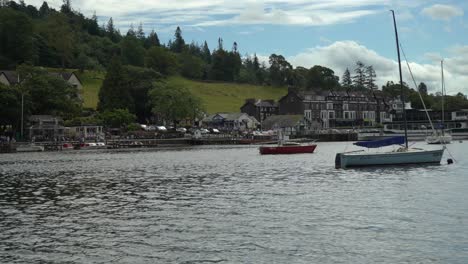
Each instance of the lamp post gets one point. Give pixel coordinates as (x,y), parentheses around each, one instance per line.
(22,113)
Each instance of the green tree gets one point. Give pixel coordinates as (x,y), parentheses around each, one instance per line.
(422,87)
(359,79)
(48,94)
(322,78)
(161,60)
(10,100)
(370,78)
(280,70)
(132,51)
(115,92)
(152,40)
(346,81)
(140,82)
(175,103)
(116,118)
(190,66)
(60,37)
(179,43)
(16,42)
(44,10)
(206,54)
(140,34)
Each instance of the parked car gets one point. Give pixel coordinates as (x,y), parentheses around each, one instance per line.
(181,130)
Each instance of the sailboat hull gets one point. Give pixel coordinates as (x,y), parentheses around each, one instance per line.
(347,160)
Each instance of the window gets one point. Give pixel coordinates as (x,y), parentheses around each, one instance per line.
(345,107)
(347,115)
(323,115)
(329,106)
(308,114)
(331,114)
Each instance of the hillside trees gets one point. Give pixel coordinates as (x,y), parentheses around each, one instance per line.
(280,70)
(114,92)
(161,60)
(174,103)
(48,94)
(16,34)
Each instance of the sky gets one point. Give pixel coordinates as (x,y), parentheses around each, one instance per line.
(331,33)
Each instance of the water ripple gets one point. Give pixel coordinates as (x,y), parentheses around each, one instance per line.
(228,205)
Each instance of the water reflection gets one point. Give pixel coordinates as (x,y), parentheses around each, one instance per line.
(203,205)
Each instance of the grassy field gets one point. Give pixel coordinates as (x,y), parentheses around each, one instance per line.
(91,84)
(228,97)
(217,97)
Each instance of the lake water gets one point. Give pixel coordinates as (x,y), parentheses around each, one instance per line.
(227,204)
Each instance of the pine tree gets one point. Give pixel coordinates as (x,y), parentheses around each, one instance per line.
(140,34)
(220,44)
(370,78)
(179,42)
(66,7)
(114,92)
(44,9)
(131,31)
(346,81)
(152,40)
(359,79)
(110,29)
(206,54)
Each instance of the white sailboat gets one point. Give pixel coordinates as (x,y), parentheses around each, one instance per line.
(440,137)
(401,156)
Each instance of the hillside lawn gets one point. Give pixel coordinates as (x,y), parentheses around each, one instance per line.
(227,97)
(216,97)
(92,82)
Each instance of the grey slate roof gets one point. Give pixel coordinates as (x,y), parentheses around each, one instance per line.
(280,121)
(12,76)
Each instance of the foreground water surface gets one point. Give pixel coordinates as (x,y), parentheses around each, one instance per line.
(228,204)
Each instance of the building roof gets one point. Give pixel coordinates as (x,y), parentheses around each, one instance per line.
(12,76)
(280,121)
(261,102)
(44,118)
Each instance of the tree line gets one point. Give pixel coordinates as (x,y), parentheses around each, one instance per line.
(136,64)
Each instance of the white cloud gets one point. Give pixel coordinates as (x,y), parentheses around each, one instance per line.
(442,12)
(344,54)
(220,12)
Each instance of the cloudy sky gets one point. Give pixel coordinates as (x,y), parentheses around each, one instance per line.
(332,33)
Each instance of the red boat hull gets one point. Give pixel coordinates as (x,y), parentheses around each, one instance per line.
(287,149)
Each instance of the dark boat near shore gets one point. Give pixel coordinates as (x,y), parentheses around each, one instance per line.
(288,148)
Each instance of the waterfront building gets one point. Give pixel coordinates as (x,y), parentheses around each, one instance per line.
(44,128)
(229,122)
(335,109)
(260,109)
(290,125)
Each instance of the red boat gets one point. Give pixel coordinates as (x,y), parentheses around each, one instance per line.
(288,148)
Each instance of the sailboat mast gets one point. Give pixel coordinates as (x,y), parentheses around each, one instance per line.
(402,96)
(443,95)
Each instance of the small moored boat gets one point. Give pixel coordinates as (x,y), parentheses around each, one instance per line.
(29,148)
(288,148)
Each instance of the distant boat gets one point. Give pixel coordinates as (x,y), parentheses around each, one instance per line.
(288,148)
(440,137)
(285,147)
(400,156)
(31,147)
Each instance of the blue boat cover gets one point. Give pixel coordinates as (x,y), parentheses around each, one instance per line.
(381,143)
